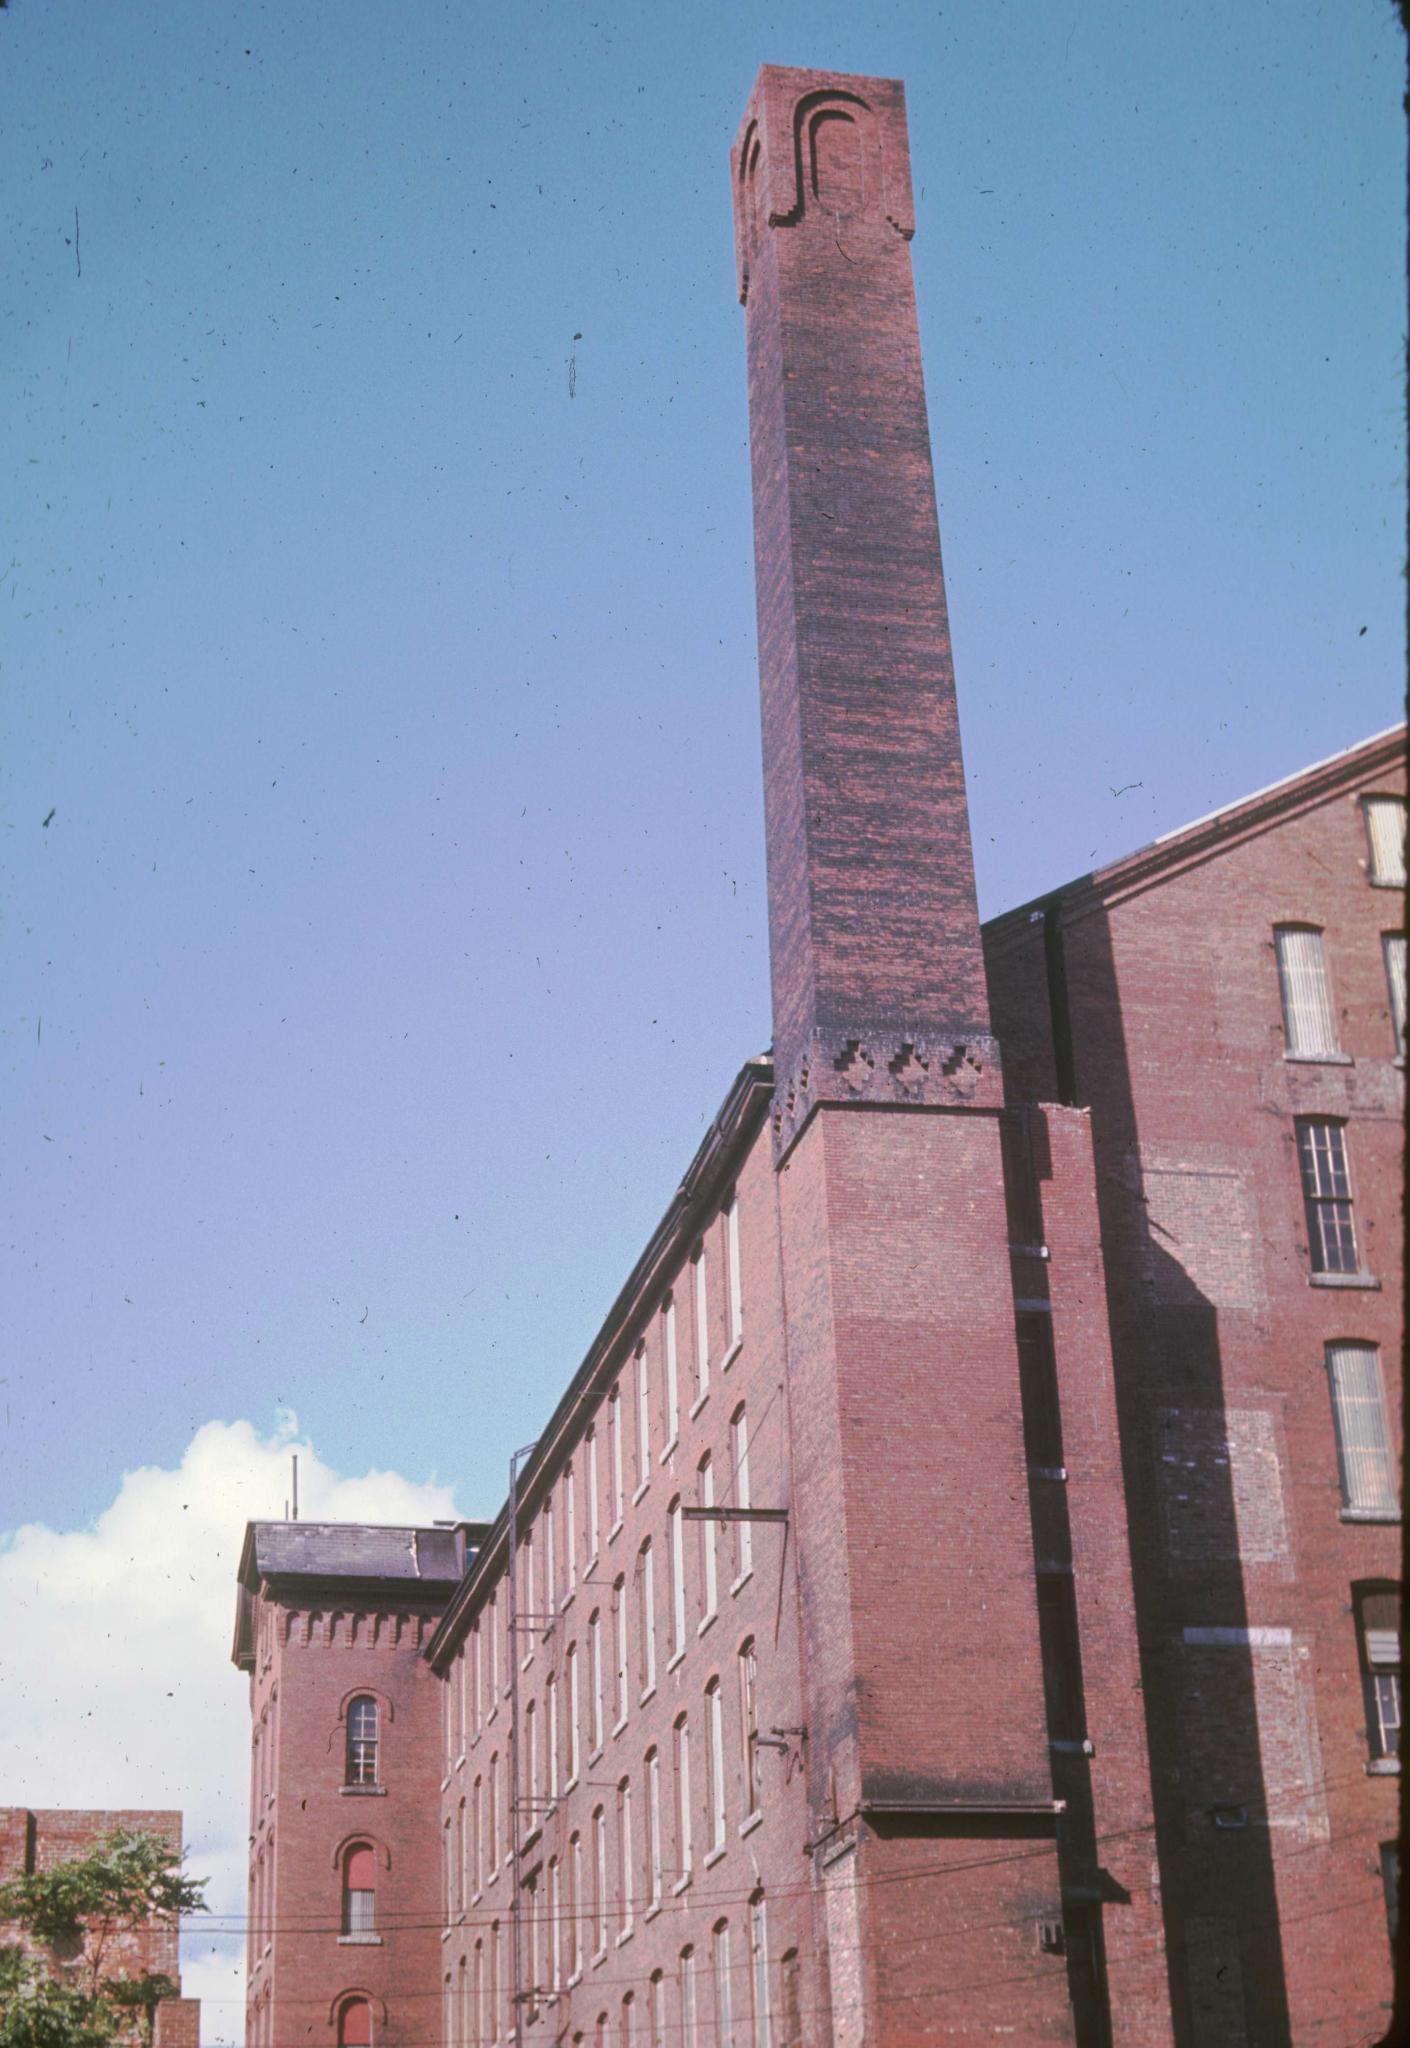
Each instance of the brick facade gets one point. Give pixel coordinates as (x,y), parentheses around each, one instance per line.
(37,1839)
(932,1610)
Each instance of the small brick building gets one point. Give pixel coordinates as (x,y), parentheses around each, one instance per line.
(37,1839)
(956,1596)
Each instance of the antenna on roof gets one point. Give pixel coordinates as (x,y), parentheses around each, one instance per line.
(295,1516)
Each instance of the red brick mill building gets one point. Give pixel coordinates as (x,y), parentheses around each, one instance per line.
(956,1598)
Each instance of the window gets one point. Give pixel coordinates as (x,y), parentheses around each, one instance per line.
(527,1610)
(749,1722)
(482,2034)
(736,1291)
(362,1741)
(577,1905)
(724,2002)
(448,1869)
(550,1710)
(690,2022)
(643,1416)
(653,1828)
(614,1418)
(1326,1187)
(531,1754)
(656,2010)
(1393,945)
(555,1925)
(1309,1025)
(790,2000)
(625,1856)
(646,1592)
(550,1556)
(595,1679)
(672,1369)
(574,1713)
(702,1325)
(619,1644)
(1385,838)
(570,1527)
(355,2024)
(359,1890)
(494,1813)
(477,1837)
(759,1969)
(496,1976)
(715,1763)
(592,1494)
(709,1588)
(1378,1626)
(1359,1417)
(599,1880)
(477,1689)
(462,1859)
(677,1541)
(1390,1884)
(629,2020)
(494,1652)
(739,1451)
(683,1832)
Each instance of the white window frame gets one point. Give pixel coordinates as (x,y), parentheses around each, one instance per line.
(1365,1458)
(715,1764)
(701,1290)
(743,1531)
(676,1525)
(733,1274)
(709,1556)
(646,1571)
(653,1828)
(671,1374)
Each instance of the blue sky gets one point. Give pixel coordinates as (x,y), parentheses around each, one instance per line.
(377,629)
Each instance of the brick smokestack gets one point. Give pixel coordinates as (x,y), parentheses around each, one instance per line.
(878,976)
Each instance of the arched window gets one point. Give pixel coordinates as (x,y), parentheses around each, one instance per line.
(362,1740)
(359,1890)
(355,2024)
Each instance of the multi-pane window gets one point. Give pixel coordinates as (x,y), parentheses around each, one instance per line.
(759,1969)
(359,1890)
(362,1741)
(1385,838)
(1393,945)
(724,1989)
(732,1273)
(1363,1440)
(1309,1022)
(684,1846)
(702,1324)
(676,1526)
(619,1643)
(599,1880)
(671,1364)
(643,1416)
(653,1828)
(1378,1625)
(646,1593)
(595,1680)
(690,2017)
(749,1722)
(614,1418)
(625,1854)
(715,1763)
(1326,1188)
(709,1588)
(739,1451)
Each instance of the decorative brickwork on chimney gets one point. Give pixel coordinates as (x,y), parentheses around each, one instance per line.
(878,976)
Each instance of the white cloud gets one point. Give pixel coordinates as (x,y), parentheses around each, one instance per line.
(120,1689)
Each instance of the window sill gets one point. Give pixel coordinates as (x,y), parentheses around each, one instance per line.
(669,1450)
(599,1959)
(615,1531)
(1369,1515)
(363,1940)
(568,1598)
(1318,1059)
(1383,1767)
(714,1856)
(590,1567)
(571,1786)
(707,1621)
(624,1937)
(459,1763)
(574,1981)
(681,1884)
(1030,1251)
(640,1493)
(648,1692)
(620,1725)
(530,1838)
(1386,882)
(1367,1280)
(730,1356)
(1057,1472)
(698,1403)
(743,1580)
(747,1827)
(677,1660)
(366,1791)
(652,1911)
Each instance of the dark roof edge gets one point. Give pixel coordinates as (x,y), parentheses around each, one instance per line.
(742,1112)
(1206,836)
(403,1590)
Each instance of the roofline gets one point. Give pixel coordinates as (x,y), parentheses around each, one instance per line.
(402,1590)
(1188,844)
(743,1112)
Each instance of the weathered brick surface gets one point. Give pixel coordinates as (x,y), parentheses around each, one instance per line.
(1218,1338)
(39,1839)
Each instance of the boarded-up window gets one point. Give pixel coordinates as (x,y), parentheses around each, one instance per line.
(1394,944)
(1220,1488)
(1385,836)
(1308,1020)
(1363,1442)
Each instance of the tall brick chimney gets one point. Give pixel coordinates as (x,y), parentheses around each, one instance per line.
(878,976)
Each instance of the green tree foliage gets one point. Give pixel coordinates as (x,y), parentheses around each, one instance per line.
(61,1985)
